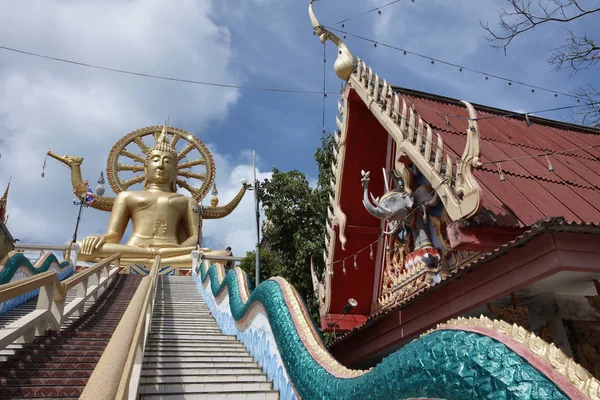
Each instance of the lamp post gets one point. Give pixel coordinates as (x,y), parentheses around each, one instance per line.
(254,187)
(199,210)
(257,220)
(81,204)
(86,200)
(349,306)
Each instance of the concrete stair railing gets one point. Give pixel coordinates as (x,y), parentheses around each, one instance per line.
(58,364)
(52,307)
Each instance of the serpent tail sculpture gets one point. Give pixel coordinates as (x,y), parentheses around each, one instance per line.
(16,267)
(462,359)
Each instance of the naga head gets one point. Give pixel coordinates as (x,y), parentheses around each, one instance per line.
(69,161)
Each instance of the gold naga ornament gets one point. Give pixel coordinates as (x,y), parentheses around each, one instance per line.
(165,222)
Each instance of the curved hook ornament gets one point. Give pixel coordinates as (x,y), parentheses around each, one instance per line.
(345,62)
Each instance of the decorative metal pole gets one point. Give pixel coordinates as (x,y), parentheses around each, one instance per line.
(257,220)
(86,200)
(199,211)
(81,204)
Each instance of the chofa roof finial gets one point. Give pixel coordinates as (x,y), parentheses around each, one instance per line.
(345,62)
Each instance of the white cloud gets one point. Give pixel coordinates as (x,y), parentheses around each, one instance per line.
(83,112)
(445,30)
(238,230)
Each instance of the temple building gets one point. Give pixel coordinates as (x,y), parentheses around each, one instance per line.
(441,208)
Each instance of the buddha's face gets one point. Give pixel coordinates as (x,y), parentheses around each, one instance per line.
(161,167)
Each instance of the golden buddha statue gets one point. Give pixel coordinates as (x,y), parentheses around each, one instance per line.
(165,222)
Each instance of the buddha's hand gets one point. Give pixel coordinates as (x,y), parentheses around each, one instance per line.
(92,243)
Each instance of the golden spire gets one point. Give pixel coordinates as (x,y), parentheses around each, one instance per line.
(214,200)
(162,140)
(3,201)
(345,63)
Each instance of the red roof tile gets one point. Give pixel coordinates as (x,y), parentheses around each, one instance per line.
(531,192)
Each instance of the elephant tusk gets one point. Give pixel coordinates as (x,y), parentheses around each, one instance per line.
(376,202)
(385,181)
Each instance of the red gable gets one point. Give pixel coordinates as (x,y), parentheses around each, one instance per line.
(529,193)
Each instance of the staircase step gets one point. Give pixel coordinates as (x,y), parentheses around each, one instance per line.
(236,371)
(57,381)
(62,391)
(80,334)
(50,373)
(189,331)
(198,358)
(196,327)
(214,378)
(167,344)
(215,396)
(54,358)
(85,345)
(198,388)
(199,364)
(192,352)
(68,340)
(20,365)
(191,336)
(57,351)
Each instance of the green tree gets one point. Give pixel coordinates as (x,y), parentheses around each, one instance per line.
(296,214)
(270,264)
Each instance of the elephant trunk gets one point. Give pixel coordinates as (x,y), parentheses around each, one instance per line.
(376,212)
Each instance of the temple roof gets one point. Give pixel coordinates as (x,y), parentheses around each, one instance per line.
(530,192)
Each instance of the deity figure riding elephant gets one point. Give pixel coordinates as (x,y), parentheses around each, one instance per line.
(397,205)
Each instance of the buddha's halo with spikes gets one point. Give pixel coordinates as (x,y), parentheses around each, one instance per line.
(130,155)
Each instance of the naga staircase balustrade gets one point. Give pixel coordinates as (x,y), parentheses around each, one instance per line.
(117,374)
(70,251)
(51,309)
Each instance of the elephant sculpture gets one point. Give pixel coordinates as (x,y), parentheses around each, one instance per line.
(396,205)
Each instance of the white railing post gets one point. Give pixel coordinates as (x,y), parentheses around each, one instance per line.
(74,254)
(56,314)
(195,262)
(45,300)
(93,283)
(81,295)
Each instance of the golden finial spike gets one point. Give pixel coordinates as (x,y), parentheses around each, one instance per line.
(3,201)
(214,200)
(162,140)
(345,63)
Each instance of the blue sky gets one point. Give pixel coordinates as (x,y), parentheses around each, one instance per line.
(259,43)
